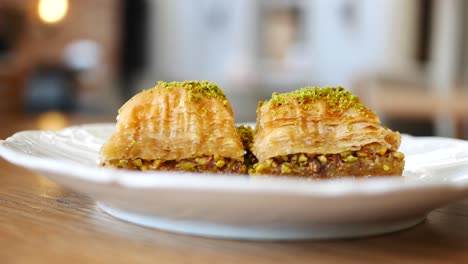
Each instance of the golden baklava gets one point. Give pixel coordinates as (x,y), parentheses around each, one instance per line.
(181,126)
(323,133)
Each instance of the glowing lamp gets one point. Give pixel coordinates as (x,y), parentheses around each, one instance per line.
(52,11)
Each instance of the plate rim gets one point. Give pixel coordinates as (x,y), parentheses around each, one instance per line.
(218,182)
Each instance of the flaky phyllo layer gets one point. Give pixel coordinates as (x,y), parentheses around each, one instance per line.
(176,122)
(322,122)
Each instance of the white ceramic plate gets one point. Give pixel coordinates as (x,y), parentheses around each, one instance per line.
(245,207)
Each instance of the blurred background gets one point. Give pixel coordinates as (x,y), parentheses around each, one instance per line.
(406,59)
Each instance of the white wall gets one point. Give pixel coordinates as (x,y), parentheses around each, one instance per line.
(446,50)
(187,47)
(382,38)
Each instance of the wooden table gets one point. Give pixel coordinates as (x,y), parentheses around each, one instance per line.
(42,222)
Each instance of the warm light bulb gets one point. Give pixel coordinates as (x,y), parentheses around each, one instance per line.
(51,121)
(52,11)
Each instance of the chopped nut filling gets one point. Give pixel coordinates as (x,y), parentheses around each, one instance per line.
(370,160)
(199,164)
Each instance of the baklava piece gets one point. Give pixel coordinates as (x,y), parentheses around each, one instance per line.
(177,126)
(323,133)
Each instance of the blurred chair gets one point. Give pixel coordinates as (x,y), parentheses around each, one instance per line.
(50,88)
(11,93)
(408,102)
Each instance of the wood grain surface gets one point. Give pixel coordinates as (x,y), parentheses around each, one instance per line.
(42,222)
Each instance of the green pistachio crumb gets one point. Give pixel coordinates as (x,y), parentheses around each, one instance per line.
(187,165)
(285,168)
(137,162)
(260,167)
(350,159)
(302,158)
(338,99)
(220,163)
(382,151)
(201,160)
(322,158)
(197,90)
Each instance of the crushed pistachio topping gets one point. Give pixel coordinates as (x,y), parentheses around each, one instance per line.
(337,98)
(196,90)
